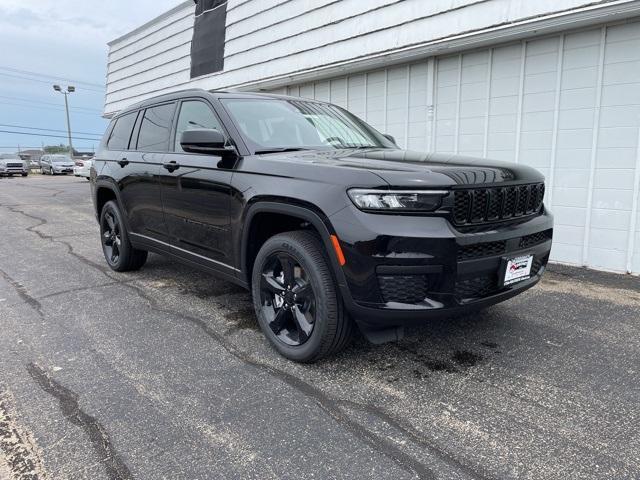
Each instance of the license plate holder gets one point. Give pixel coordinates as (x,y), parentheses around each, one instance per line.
(516,269)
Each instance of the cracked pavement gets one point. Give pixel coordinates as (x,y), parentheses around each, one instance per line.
(162,373)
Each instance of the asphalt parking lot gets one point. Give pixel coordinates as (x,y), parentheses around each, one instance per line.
(162,373)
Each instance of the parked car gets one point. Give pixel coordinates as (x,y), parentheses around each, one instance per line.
(55,164)
(11,165)
(325,220)
(82,167)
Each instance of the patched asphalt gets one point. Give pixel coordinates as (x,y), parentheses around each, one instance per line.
(163,373)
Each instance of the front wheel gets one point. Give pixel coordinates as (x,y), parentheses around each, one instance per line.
(117,249)
(298,306)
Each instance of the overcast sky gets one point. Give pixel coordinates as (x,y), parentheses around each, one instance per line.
(60,38)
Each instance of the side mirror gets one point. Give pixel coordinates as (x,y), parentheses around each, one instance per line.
(390,138)
(205,140)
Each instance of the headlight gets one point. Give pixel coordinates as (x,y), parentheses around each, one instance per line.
(402,200)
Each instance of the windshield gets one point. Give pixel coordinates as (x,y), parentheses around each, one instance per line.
(271,124)
(60,159)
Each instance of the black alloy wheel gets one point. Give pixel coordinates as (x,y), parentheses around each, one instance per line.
(118,251)
(287,299)
(297,302)
(111,237)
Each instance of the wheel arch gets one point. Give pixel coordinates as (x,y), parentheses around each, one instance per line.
(105,190)
(301,211)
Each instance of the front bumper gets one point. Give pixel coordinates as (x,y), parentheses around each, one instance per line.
(81,171)
(13,171)
(403,269)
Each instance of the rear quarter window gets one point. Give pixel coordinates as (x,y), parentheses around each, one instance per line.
(121,133)
(155,128)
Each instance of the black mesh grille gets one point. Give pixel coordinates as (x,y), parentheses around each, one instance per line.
(478,250)
(482,205)
(403,288)
(484,285)
(461,207)
(535,239)
(477,287)
(496,196)
(479,205)
(536,266)
(510,199)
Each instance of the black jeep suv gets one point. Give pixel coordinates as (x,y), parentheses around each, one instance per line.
(325,220)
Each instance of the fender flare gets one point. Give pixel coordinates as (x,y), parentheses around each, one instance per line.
(305,213)
(109,185)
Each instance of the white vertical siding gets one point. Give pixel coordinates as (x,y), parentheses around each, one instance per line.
(567,105)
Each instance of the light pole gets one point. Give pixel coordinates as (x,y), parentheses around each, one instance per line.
(70,89)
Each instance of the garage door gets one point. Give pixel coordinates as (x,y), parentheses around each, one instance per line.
(568,105)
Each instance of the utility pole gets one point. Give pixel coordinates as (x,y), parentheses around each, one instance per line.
(70,89)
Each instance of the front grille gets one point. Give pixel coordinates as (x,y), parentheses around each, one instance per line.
(14,165)
(482,205)
(487,284)
(403,288)
(478,250)
(477,287)
(535,239)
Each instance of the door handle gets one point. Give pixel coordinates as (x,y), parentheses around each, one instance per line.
(123,162)
(171,166)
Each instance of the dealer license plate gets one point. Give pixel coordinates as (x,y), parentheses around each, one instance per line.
(518,269)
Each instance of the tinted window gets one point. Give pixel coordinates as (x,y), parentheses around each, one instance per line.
(275,123)
(121,133)
(156,128)
(194,114)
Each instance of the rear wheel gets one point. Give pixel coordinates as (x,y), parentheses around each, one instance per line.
(117,249)
(298,306)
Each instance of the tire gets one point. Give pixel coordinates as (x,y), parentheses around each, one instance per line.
(114,238)
(25,174)
(285,320)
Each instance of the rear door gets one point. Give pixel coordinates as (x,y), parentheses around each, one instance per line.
(136,170)
(196,190)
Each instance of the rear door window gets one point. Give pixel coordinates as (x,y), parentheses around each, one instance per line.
(155,128)
(121,134)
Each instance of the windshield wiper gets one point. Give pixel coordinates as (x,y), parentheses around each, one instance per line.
(353,145)
(280,150)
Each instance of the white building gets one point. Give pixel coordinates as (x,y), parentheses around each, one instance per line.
(554,84)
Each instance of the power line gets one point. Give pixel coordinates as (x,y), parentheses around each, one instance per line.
(47,129)
(29,100)
(48,82)
(43,135)
(39,147)
(80,82)
(48,108)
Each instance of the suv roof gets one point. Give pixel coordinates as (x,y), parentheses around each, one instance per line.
(177,95)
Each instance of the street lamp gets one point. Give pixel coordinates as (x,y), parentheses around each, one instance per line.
(70,89)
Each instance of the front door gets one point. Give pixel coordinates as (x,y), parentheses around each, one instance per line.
(195,191)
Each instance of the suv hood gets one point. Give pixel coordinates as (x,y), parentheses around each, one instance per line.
(4,161)
(406,168)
